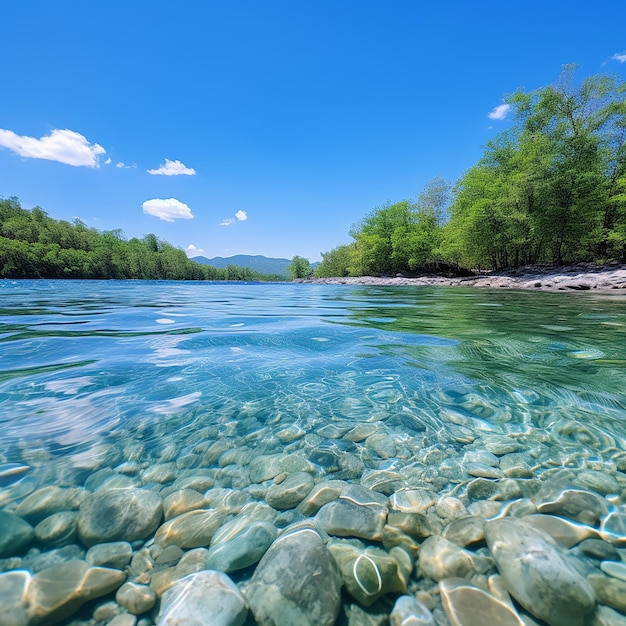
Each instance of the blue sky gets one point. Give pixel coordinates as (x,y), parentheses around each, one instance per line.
(267,126)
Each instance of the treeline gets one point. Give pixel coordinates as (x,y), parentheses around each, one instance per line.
(550,189)
(33,245)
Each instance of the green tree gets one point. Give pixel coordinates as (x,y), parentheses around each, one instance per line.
(299,267)
(337,262)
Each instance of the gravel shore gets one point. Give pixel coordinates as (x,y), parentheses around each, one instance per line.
(582,277)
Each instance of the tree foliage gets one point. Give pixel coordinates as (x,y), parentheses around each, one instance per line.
(33,245)
(550,189)
(299,267)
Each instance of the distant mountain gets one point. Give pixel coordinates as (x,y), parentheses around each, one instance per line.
(258,263)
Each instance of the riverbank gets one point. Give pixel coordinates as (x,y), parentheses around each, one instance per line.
(583,277)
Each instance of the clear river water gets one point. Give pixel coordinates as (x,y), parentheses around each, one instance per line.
(144,383)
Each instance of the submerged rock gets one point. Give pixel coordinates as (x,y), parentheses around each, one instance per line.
(15,534)
(203,598)
(440,558)
(239,543)
(576,504)
(59,591)
(136,599)
(193,529)
(290,492)
(539,574)
(408,611)
(119,514)
(358,512)
(369,573)
(468,605)
(297,583)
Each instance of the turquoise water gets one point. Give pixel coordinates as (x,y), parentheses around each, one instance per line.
(82,360)
(462,406)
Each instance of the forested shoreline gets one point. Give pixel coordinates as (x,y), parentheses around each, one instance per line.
(33,245)
(551,189)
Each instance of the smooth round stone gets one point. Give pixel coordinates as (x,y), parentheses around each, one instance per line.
(290,434)
(413,524)
(116,554)
(382,481)
(182,501)
(539,574)
(393,537)
(448,507)
(482,489)
(482,470)
(358,512)
(412,500)
(203,598)
(610,591)
(290,492)
(236,546)
(368,574)
(599,549)
(119,514)
(485,508)
(514,465)
(297,583)
(266,467)
(576,504)
(136,599)
(440,558)
(615,569)
(58,529)
(501,445)
(197,482)
(193,529)
(58,592)
(38,562)
(408,611)
(160,473)
(563,531)
(481,456)
(13,592)
(321,494)
(597,481)
(167,557)
(383,445)
(361,432)
(15,534)
(47,500)
(468,605)
(465,530)
(226,500)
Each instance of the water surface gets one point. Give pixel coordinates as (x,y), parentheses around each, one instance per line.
(82,360)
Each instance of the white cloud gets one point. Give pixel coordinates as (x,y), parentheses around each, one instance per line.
(499,112)
(168,209)
(620,57)
(240,216)
(172,168)
(108,161)
(62,145)
(123,166)
(193,251)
